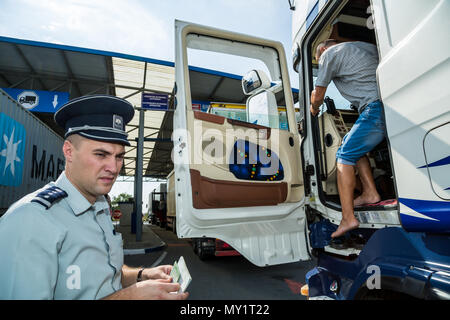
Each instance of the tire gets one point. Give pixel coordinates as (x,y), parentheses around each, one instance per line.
(201,252)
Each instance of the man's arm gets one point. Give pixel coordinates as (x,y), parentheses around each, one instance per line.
(156,285)
(129,275)
(149,290)
(317,96)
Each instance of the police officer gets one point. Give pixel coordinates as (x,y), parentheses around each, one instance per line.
(59,242)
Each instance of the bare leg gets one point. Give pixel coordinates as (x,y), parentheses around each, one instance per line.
(358,185)
(369,191)
(346,185)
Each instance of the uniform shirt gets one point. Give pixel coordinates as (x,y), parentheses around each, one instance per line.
(68,251)
(352,67)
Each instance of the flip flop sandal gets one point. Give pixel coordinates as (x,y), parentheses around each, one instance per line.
(388,203)
(357,241)
(384,203)
(339,243)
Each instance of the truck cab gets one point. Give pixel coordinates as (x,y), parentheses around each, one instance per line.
(270,190)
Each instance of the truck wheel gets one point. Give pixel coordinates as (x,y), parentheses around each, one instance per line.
(195,245)
(201,252)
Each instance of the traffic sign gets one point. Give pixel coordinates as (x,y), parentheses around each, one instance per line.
(117,214)
(155,101)
(38,100)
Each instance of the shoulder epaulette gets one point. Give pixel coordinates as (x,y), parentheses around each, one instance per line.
(49,196)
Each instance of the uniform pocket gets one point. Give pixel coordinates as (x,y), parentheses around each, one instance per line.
(116,251)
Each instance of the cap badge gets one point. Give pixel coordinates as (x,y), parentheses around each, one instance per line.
(118,122)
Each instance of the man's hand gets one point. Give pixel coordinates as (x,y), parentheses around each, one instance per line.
(150,290)
(158,290)
(160,272)
(314,112)
(317,96)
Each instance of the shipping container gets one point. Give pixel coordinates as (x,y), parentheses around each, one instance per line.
(30,152)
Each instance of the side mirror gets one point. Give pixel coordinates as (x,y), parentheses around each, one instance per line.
(255,81)
(250,82)
(261,105)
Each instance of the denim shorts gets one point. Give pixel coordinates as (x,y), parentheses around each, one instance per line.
(368,131)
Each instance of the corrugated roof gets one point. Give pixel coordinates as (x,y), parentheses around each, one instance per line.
(158,78)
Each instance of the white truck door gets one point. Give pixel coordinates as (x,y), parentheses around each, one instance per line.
(413,74)
(238,181)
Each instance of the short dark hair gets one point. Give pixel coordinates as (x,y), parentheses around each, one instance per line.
(325,44)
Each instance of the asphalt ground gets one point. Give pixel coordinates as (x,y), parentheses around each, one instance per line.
(226,278)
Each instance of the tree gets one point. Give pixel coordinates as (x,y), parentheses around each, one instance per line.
(123,197)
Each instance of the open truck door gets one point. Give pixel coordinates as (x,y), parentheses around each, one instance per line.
(239,181)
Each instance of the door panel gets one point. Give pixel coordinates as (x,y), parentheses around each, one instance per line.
(209,193)
(237,181)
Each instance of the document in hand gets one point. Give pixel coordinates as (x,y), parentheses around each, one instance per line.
(180,274)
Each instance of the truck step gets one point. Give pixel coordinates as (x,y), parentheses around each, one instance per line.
(353,240)
(390,203)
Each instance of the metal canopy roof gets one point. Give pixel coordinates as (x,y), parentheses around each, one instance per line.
(79,71)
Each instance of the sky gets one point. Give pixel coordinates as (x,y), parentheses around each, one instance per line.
(142,28)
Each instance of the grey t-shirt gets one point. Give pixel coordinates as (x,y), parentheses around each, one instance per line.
(352,67)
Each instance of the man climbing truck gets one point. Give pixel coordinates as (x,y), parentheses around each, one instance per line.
(271,192)
(390,262)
